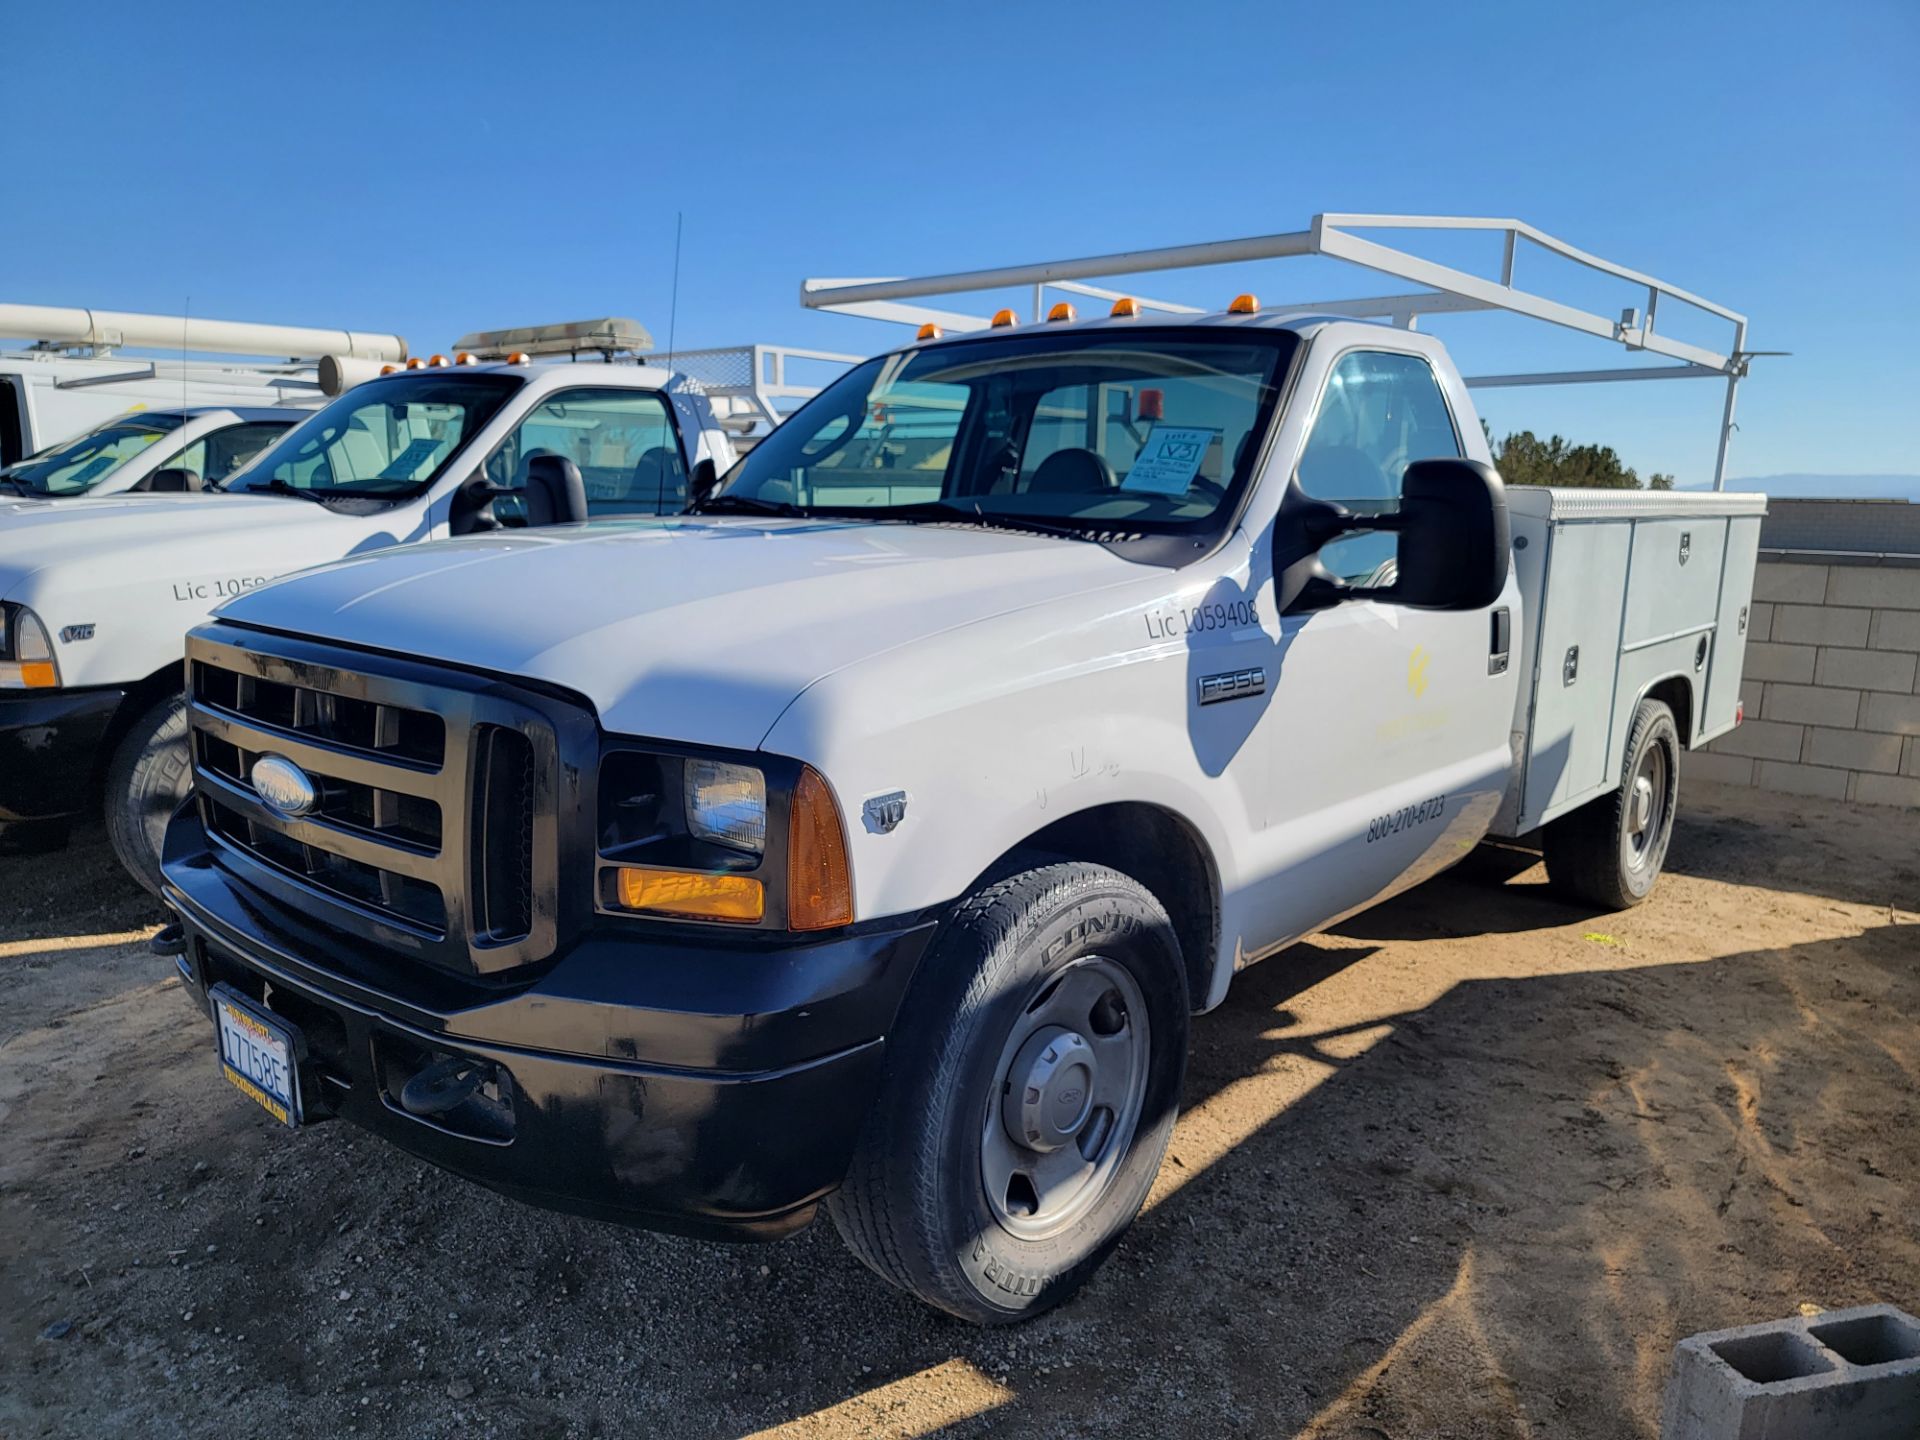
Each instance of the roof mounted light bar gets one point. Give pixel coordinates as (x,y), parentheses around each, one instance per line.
(611,336)
(1451,290)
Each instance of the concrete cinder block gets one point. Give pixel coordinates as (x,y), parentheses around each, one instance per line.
(1845,1375)
(1866,669)
(1792,663)
(1893,587)
(1762,740)
(1718,768)
(1794,584)
(1752,692)
(1821,625)
(1895,630)
(1759,621)
(1853,750)
(1800,779)
(1888,790)
(1811,705)
(1891,714)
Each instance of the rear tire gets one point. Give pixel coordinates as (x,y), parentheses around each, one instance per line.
(1610,851)
(147,779)
(992,1199)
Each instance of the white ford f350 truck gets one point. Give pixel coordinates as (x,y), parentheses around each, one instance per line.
(97,597)
(868,836)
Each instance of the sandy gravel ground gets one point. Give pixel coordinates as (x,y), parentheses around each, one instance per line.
(1468,1167)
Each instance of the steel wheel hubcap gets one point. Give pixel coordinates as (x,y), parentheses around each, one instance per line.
(1647,803)
(1067,1097)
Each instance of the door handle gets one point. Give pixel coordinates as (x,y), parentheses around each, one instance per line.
(1500,647)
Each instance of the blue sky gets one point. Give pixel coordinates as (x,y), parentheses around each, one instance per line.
(432,168)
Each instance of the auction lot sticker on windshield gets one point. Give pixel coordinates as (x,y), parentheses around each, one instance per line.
(258,1052)
(418,451)
(1169,460)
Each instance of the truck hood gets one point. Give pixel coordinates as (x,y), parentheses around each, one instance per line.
(693,629)
(167,531)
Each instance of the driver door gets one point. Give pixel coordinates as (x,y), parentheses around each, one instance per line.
(1389,727)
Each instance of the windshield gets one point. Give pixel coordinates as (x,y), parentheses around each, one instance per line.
(1149,431)
(386,438)
(79,464)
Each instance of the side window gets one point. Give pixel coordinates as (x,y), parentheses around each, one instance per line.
(193,458)
(227,450)
(624,442)
(1379,413)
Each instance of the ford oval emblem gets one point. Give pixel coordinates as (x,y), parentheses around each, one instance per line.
(284,786)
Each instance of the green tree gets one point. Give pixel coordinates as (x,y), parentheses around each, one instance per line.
(1525,459)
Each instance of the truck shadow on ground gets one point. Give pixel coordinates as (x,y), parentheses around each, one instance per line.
(1487,1209)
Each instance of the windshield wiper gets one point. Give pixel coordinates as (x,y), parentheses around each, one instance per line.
(995,520)
(277,486)
(18,488)
(745,505)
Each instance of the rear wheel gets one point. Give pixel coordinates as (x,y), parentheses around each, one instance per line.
(1610,851)
(147,779)
(1029,1092)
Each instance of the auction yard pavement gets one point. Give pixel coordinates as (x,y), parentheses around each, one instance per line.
(1467,1167)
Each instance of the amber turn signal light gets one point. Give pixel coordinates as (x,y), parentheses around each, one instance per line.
(819,889)
(692,895)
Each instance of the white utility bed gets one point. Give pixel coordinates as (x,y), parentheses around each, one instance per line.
(1617,587)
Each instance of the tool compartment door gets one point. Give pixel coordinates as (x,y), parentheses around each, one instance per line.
(1579,641)
(1674,585)
(1727,664)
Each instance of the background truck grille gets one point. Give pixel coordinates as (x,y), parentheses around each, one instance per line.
(435,829)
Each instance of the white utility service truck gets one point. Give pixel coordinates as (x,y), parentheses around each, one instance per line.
(71,377)
(148,451)
(96,598)
(868,836)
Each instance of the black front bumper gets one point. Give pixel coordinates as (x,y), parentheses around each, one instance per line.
(709,1086)
(49,750)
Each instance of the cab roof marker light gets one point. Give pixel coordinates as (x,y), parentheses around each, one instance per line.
(1244,305)
(438,361)
(388,369)
(929,331)
(1002,319)
(519,357)
(416,363)
(466,357)
(1125,308)
(1061,312)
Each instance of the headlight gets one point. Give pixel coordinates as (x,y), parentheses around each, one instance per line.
(727,804)
(26,652)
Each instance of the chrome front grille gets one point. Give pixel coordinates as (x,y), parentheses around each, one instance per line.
(435,828)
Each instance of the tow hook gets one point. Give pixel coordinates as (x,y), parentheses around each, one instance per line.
(169,939)
(470,1097)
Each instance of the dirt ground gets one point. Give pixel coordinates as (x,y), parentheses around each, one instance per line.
(1468,1167)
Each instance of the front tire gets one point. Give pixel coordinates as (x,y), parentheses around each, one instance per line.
(148,777)
(1610,851)
(1030,1089)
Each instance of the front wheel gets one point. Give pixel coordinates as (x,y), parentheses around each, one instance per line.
(1611,850)
(147,779)
(1029,1091)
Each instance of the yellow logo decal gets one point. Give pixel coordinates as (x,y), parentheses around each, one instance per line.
(1417,670)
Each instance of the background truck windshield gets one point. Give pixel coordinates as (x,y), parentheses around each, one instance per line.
(80,464)
(384,438)
(1151,429)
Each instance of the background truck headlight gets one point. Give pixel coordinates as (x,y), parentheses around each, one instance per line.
(26,651)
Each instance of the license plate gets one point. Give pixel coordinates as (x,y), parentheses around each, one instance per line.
(259,1054)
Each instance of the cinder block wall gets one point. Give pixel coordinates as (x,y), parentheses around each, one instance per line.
(1832,685)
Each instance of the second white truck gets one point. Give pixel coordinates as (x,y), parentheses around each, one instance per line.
(866,839)
(96,597)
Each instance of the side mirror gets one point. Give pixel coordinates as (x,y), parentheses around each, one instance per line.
(703,479)
(1454,542)
(171,482)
